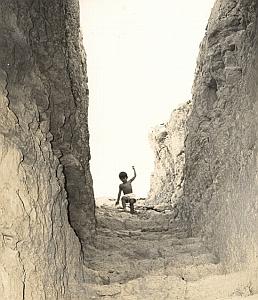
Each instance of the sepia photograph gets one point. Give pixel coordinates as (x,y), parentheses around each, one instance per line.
(128,150)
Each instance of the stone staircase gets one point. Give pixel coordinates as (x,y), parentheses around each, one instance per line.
(146,256)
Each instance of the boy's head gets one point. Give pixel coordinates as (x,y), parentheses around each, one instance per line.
(123,176)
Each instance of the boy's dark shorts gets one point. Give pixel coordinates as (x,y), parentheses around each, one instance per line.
(128,199)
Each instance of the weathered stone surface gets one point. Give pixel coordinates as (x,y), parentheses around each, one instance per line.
(220,172)
(43,107)
(220,189)
(167,142)
(44,166)
(131,263)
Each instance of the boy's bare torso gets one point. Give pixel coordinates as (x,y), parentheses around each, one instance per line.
(126,187)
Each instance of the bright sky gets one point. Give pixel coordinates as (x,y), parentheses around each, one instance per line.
(141,56)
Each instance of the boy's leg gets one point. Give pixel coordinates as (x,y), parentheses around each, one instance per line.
(132,201)
(132,208)
(123,202)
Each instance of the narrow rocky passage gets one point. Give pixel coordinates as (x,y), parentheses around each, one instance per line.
(148,256)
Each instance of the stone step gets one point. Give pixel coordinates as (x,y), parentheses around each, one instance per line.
(118,268)
(193,272)
(179,237)
(186,254)
(154,221)
(108,248)
(253,297)
(220,287)
(149,256)
(149,235)
(216,287)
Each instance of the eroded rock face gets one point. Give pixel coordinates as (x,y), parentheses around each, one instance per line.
(43,107)
(221,147)
(167,142)
(220,172)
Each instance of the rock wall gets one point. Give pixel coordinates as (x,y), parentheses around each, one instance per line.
(167,141)
(221,147)
(43,107)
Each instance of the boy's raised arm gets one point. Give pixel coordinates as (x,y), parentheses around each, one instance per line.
(134,175)
(118,196)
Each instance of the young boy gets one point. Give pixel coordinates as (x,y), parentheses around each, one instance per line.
(126,188)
